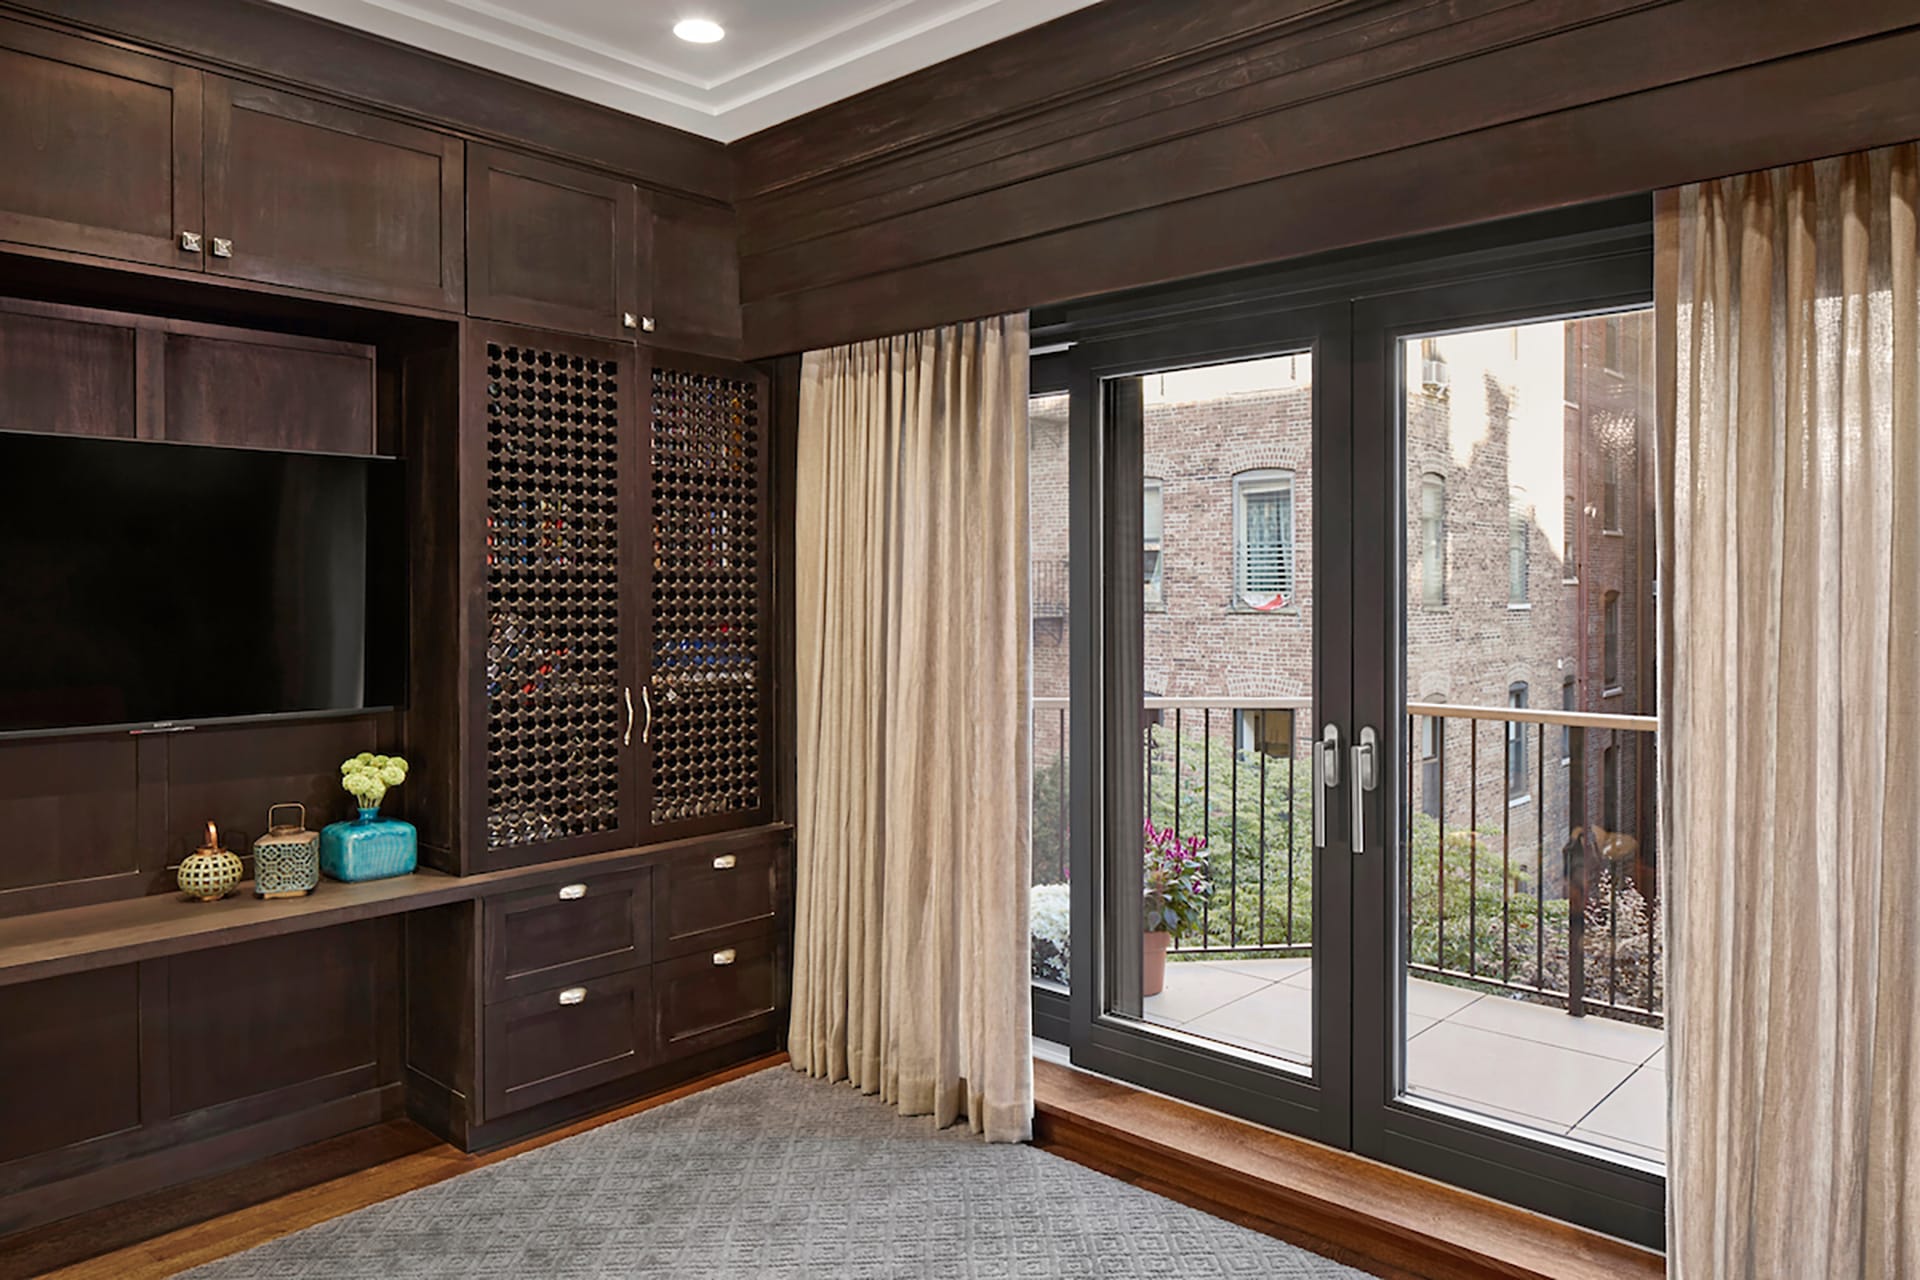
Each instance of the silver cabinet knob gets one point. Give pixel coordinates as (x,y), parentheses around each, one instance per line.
(724,957)
(572,892)
(222,247)
(724,862)
(628,320)
(573,995)
(190,241)
(646,323)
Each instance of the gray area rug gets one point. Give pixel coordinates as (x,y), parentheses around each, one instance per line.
(776,1175)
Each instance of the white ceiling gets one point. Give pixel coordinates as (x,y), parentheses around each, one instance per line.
(781,58)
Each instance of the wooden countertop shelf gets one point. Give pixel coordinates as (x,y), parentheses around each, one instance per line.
(51,943)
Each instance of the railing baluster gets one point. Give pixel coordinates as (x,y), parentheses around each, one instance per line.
(1540,876)
(1206,809)
(1177,713)
(1576,875)
(1293,743)
(1473,821)
(1613,930)
(1262,896)
(1233,859)
(1060,829)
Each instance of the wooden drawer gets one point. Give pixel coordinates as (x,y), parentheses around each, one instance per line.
(548,1044)
(566,933)
(719,996)
(710,896)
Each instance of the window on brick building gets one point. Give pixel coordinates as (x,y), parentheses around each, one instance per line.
(1610,490)
(1433,746)
(1610,788)
(1433,539)
(1610,641)
(1150,524)
(1519,545)
(1263,568)
(1517,788)
(1567,701)
(1610,344)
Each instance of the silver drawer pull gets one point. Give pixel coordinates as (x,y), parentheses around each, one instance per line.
(723,957)
(572,892)
(573,995)
(724,862)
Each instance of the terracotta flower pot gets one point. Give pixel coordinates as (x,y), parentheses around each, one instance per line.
(1153,962)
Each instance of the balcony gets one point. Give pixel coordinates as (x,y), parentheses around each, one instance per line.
(1534,985)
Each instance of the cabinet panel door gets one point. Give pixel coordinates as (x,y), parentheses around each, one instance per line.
(557,934)
(264,391)
(100,151)
(548,1044)
(696,275)
(69,371)
(708,589)
(552,455)
(313,196)
(712,998)
(550,245)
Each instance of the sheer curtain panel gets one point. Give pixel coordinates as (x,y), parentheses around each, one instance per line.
(1790,567)
(910,954)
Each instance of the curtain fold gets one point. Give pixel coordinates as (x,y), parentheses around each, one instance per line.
(911,971)
(1790,669)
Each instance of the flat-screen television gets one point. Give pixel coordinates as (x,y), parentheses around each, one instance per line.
(148,583)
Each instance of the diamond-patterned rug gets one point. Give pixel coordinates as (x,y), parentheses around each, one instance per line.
(777,1176)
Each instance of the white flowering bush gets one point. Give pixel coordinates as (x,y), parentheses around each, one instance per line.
(1049,920)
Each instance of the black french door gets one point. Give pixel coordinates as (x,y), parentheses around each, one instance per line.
(1288,497)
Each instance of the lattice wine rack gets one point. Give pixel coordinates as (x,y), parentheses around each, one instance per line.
(708,595)
(555,711)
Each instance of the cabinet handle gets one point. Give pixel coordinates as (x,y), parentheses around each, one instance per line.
(723,957)
(572,892)
(190,241)
(646,324)
(628,320)
(646,730)
(626,739)
(573,995)
(724,862)
(222,247)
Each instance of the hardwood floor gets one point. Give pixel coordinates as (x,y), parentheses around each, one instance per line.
(165,1233)
(1370,1216)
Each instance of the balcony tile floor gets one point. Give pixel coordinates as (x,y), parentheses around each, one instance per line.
(1594,1079)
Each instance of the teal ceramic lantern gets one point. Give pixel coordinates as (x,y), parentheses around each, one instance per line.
(368,848)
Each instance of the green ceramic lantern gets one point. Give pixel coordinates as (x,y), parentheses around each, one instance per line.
(210,872)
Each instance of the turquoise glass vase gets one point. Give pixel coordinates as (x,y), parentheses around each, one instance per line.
(368,848)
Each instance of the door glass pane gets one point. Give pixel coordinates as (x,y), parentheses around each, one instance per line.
(1532,991)
(1047,540)
(1224,862)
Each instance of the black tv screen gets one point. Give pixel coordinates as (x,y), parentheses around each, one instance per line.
(145,583)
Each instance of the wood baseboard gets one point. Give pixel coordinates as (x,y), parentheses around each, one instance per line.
(165,1233)
(1373,1217)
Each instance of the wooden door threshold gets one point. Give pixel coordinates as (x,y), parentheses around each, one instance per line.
(1371,1216)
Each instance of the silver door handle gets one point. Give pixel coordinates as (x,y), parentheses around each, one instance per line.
(724,957)
(573,995)
(646,730)
(1326,776)
(626,739)
(1366,776)
(572,892)
(725,862)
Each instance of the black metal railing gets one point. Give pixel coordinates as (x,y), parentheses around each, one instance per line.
(1536,876)
(1521,874)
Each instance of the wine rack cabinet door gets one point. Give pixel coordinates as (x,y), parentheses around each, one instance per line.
(554,464)
(708,737)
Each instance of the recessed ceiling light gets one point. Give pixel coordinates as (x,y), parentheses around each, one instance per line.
(699,30)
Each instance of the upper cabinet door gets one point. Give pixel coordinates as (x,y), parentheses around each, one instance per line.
(99,149)
(551,245)
(313,196)
(696,276)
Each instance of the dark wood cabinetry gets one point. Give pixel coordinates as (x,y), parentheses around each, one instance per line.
(314,196)
(553,246)
(100,153)
(209,261)
(696,275)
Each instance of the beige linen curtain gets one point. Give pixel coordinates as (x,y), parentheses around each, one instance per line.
(910,956)
(1790,563)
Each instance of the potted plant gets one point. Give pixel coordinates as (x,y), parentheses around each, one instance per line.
(1176,891)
